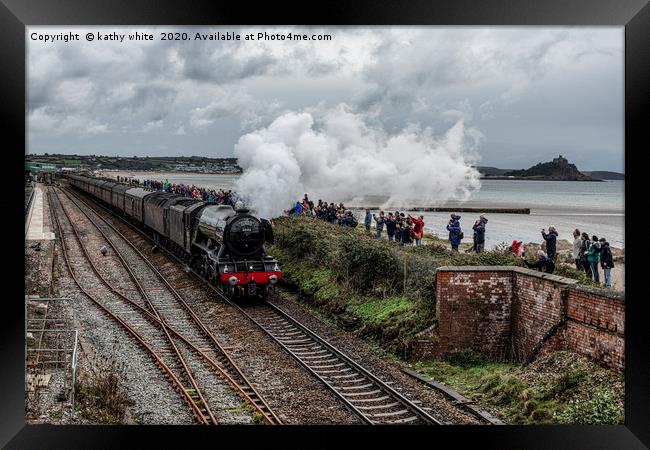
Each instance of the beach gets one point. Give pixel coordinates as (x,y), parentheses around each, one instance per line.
(212,181)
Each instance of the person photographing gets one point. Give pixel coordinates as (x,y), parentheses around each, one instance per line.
(455,232)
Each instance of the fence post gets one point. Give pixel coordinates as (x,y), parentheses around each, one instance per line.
(74,371)
(405,267)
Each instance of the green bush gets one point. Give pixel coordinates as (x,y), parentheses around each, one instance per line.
(562,386)
(601,408)
(368,263)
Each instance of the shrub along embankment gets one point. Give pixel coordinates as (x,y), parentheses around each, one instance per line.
(560,387)
(381,290)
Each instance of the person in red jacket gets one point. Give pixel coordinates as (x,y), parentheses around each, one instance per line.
(418,229)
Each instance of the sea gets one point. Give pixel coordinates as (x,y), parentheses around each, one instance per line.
(595,207)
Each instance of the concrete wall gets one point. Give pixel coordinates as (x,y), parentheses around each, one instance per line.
(511,312)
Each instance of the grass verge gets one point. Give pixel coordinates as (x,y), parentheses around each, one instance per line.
(558,388)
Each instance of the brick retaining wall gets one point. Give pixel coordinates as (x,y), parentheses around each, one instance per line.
(505,312)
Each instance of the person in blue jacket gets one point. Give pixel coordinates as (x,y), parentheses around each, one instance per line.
(368,220)
(455,232)
(296,210)
(390,227)
(479,234)
(606,261)
(551,240)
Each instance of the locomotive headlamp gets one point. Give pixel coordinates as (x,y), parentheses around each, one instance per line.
(273,279)
(232,281)
(225,269)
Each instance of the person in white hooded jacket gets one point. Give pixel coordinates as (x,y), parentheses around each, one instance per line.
(577,242)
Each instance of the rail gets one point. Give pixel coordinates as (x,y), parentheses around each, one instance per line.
(200,409)
(365,397)
(226,368)
(372,399)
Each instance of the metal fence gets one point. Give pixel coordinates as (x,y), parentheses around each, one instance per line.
(51,345)
(30,194)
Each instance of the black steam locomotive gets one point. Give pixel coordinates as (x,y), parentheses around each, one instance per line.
(224,245)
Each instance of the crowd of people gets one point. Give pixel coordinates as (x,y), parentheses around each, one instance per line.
(590,254)
(400,228)
(216,196)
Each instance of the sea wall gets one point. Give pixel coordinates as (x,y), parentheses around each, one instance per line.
(514,313)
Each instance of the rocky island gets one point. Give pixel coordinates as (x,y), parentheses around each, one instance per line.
(557,170)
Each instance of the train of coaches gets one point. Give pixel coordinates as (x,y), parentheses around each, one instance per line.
(223,244)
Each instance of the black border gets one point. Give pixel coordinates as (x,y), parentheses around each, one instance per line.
(16,14)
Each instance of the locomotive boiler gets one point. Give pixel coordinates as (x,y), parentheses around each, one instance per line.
(224,245)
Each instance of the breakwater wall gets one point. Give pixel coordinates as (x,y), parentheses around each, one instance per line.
(445,209)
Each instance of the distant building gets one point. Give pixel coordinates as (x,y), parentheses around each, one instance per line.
(561,161)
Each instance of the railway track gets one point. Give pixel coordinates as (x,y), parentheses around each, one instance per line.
(371,399)
(188,348)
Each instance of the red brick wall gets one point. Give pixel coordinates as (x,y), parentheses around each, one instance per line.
(588,306)
(596,326)
(505,312)
(537,306)
(473,310)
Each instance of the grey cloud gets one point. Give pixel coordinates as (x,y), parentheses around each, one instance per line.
(537,89)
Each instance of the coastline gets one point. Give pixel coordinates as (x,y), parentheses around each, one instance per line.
(136,173)
(537,179)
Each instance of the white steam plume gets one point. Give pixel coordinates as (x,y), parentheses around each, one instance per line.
(341,158)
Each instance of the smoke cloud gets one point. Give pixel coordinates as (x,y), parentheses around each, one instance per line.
(337,156)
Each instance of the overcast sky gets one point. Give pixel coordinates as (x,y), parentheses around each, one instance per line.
(529,94)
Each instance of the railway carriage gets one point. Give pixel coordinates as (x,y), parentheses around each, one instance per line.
(117,196)
(97,190)
(155,216)
(134,202)
(92,187)
(80,182)
(158,214)
(107,191)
